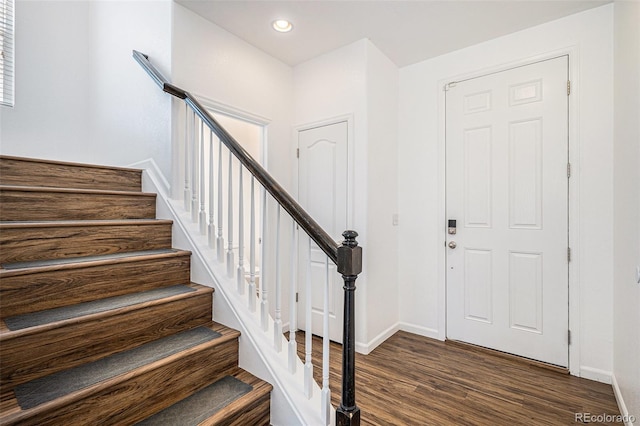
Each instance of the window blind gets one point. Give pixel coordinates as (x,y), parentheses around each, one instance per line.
(7,52)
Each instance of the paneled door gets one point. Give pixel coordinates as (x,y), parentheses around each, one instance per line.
(507,211)
(322,192)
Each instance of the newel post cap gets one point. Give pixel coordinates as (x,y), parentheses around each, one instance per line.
(349,255)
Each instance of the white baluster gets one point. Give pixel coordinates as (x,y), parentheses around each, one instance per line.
(308,365)
(220,238)
(277,328)
(293,296)
(241,278)
(264,302)
(187,157)
(252,252)
(202,219)
(230,219)
(326,392)
(194,172)
(212,227)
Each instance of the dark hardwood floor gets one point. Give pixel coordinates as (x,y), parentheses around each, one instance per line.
(414,380)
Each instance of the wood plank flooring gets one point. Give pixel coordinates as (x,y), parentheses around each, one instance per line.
(414,380)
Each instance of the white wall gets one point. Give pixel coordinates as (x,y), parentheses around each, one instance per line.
(382,194)
(80,96)
(213,63)
(421,177)
(334,85)
(358,81)
(626,160)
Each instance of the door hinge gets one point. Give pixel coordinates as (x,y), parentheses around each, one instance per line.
(568,87)
(569,337)
(296,297)
(568,170)
(297,152)
(568,254)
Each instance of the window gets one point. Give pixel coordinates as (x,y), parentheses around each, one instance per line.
(6,52)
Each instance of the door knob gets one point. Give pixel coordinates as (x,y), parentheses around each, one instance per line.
(452,244)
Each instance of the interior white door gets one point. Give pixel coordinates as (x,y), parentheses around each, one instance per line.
(507,190)
(322,192)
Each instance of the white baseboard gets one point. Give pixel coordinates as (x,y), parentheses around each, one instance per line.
(620,400)
(419,330)
(367,348)
(596,374)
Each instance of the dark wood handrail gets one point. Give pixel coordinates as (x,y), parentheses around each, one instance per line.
(327,244)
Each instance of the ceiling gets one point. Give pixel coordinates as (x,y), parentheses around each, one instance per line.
(406,31)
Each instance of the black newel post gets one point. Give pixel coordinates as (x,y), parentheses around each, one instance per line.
(349,265)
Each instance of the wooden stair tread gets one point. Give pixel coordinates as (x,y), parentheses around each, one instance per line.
(86,261)
(68,342)
(38,172)
(229,395)
(20,325)
(67,163)
(28,241)
(29,203)
(52,189)
(79,378)
(72,223)
(34,289)
(94,373)
(252,408)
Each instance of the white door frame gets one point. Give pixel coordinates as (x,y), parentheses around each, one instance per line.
(215,107)
(574,192)
(242,115)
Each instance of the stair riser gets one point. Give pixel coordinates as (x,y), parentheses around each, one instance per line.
(255,414)
(36,291)
(44,205)
(80,342)
(136,397)
(29,244)
(15,171)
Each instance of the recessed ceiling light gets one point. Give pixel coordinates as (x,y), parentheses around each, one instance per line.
(282,25)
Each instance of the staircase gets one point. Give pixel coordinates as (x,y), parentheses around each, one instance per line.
(99,321)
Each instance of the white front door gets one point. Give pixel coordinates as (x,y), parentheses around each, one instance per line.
(322,192)
(507,190)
